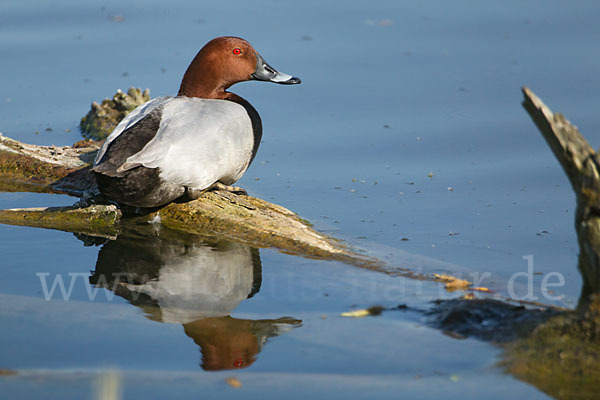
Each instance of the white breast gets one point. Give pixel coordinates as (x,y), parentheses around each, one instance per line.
(199,142)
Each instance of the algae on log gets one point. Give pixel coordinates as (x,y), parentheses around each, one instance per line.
(30,168)
(562,355)
(582,166)
(97,220)
(255,222)
(26,167)
(103,118)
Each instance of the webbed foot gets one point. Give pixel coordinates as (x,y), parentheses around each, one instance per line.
(232,189)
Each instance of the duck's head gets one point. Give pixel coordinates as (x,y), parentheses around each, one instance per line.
(223,62)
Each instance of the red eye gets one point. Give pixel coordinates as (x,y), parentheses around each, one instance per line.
(237,51)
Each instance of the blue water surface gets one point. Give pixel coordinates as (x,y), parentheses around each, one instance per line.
(407,125)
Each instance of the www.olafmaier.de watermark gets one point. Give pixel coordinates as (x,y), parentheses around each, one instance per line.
(549,280)
(521,286)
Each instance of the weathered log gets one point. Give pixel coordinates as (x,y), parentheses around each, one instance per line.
(96,220)
(104,117)
(26,167)
(30,168)
(582,166)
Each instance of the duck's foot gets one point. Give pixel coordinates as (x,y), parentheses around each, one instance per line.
(193,193)
(232,189)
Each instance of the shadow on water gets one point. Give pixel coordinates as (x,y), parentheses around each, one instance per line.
(193,281)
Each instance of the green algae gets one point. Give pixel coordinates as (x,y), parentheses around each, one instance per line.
(562,356)
(96,220)
(104,117)
(254,222)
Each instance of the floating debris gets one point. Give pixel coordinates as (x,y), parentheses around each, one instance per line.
(453,283)
(375,310)
(381,22)
(233,382)
(156,220)
(7,372)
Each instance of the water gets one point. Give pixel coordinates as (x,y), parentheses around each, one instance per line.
(408,124)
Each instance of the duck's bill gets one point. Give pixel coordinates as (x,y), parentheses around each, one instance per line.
(264,72)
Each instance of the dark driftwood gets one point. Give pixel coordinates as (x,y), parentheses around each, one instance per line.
(582,165)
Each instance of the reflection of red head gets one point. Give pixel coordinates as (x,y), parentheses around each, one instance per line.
(225,342)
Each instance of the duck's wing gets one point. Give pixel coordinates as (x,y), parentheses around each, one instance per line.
(198,142)
(129,122)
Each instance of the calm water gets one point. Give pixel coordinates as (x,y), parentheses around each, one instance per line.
(408,124)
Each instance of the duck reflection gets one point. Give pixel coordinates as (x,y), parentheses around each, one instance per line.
(194,282)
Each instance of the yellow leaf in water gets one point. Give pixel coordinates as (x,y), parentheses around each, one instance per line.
(375,310)
(356,313)
(452,283)
(468,296)
(444,277)
(457,284)
(233,382)
(480,289)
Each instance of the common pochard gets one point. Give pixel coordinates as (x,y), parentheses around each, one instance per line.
(204,138)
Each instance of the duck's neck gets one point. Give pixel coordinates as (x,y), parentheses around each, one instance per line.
(202,88)
(204,78)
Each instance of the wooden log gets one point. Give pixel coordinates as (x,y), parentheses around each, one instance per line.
(30,168)
(26,167)
(582,165)
(96,220)
(571,149)
(103,117)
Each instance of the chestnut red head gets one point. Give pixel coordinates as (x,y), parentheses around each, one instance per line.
(225,61)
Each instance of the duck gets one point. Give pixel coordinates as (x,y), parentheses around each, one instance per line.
(176,148)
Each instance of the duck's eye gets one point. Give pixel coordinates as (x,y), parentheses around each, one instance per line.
(237,51)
